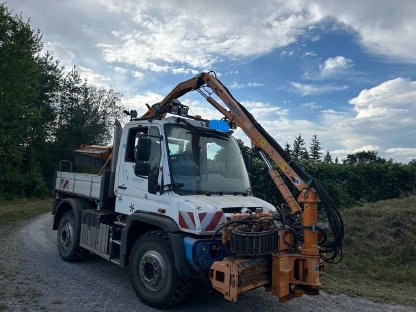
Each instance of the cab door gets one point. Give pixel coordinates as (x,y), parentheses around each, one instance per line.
(135,192)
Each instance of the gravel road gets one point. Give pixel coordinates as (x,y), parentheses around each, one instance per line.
(34,278)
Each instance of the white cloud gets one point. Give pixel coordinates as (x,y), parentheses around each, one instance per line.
(310,89)
(311,105)
(204,109)
(139,102)
(383,117)
(341,153)
(334,66)
(236,85)
(59,52)
(407,152)
(137,74)
(384,27)
(120,70)
(173,37)
(396,97)
(92,78)
(264,111)
(186,37)
(309,53)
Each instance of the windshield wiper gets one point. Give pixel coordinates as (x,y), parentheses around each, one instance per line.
(226,193)
(240,193)
(214,193)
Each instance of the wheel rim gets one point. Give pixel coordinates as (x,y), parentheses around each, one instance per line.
(152,270)
(66,235)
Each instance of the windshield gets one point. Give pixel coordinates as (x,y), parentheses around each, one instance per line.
(205,162)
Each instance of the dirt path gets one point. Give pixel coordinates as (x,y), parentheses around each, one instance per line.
(34,278)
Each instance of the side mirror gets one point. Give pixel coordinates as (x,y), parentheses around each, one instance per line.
(247,161)
(142,169)
(143,149)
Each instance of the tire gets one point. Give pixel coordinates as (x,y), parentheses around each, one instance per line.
(153,272)
(68,247)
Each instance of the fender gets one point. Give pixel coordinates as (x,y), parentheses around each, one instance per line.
(148,222)
(77,205)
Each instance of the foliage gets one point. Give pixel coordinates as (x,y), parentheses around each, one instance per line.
(315,153)
(19,85)
(328,158)
(45,113)
(365,157)
(299,150)
(348,185)
(362,183)
(85,115)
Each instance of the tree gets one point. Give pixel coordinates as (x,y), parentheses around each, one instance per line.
(299,150)
(244,149)
(19,86)
(328,158)
(287,149)
(85,115)
(315,153)
(44,114)
(365,157)
(45,104)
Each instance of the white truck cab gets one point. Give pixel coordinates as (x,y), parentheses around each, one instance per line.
(194,174)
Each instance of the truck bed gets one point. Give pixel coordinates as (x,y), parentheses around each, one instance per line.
(79,184)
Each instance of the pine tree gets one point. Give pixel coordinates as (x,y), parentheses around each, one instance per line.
(287,149)
(299,150)
(336,160)
(315,149)
(328,158)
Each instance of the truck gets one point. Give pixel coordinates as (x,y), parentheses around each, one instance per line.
(173,202)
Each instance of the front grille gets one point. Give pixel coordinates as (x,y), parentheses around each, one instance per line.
(253,243)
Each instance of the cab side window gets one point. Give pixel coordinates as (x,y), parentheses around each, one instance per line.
(132,140)
(155,151)
(153,164)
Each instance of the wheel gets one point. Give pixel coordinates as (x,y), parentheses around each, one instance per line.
(68,247)
(153,272)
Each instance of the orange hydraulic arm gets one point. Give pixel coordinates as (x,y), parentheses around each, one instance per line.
(311,192)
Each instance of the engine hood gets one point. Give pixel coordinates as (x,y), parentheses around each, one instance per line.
(201,214)
(228,203)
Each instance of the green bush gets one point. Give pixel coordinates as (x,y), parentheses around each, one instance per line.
(348,185)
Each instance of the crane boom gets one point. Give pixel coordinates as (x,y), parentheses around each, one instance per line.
(311,191)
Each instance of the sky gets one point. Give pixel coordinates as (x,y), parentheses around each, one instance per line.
(343,70)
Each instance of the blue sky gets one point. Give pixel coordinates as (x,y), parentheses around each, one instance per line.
(342,70)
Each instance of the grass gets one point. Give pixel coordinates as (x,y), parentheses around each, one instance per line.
(379,253)
(20,209)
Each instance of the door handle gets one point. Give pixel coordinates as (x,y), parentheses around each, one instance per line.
(122,187)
